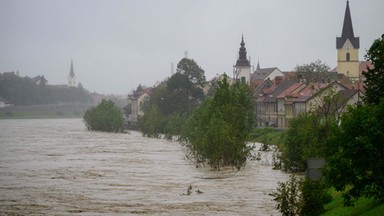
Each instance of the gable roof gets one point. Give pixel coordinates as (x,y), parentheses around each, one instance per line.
(278,89)
(262,73)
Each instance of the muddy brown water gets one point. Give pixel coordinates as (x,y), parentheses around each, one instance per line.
(57,167)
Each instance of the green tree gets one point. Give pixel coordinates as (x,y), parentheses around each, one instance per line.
(304,139)
(355,151)
(355,163)
(152,123)
(174,99)
(105,117)
(217,131)
(374,82)
(301,197)
(192,70)
(313,72)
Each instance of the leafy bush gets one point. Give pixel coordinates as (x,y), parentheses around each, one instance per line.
(355,165)
(288,197)
(314,195)
(104,117)
(218,130)
(301,197)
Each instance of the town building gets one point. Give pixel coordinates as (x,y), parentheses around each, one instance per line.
(242,69)
(348,49)
(134,109)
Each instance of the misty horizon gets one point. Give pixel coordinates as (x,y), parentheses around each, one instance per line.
(117,45)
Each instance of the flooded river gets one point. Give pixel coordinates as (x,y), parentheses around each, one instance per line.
(57,167)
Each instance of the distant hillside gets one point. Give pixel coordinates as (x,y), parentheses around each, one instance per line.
(24,91)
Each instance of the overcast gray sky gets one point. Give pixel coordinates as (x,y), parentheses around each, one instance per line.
(115,45)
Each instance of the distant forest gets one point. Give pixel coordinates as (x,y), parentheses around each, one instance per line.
(24,91)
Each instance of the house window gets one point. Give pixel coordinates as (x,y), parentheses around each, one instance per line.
(243,80)
(348,57)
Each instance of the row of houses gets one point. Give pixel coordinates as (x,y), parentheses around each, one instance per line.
(280,100)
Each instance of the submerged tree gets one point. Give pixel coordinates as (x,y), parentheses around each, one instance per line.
(217,131)
(105,117)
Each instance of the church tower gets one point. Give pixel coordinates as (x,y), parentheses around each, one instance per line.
(71,77)
(348,49)
(243,67)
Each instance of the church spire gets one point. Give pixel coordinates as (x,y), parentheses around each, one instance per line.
(242,61)
(347,32)
(258,65)
(72,73)
(71,77)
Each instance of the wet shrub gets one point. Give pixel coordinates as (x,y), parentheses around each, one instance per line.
(104,117)
(288,197)
(218,130)
(301,197)
(314,195)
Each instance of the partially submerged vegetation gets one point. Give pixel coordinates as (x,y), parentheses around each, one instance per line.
(218,130)
(105,117)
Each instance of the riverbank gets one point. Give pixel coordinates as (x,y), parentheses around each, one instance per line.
(44,111)
(363,206)
(267,135)
(39,115)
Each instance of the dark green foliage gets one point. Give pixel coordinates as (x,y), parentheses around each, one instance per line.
(301,197)
(218,130)
(288,197)
(105,117)
(355,163)
(23,91)
(151,123)
(192,70)
(173,101)
(374,82)
(305,138)
(314,195)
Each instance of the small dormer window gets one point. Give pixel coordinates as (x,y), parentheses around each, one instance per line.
(348,56)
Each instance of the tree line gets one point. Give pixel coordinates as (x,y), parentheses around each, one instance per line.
(24,91)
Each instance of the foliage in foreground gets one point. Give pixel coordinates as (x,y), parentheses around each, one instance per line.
(364,206)
(305,138)
(105,117)
(218,130)
(374,83)
(355,154)
(301,197)
(356,163)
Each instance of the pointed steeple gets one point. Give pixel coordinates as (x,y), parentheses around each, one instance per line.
(71,76)
(258,65)
(347,32)
(242,61)
(71,73)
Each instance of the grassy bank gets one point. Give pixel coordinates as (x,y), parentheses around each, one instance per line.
(269,136)
(363,206)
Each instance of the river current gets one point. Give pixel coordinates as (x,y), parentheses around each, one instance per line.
(57,167)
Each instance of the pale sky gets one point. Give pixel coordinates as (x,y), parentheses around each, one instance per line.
(116,45)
